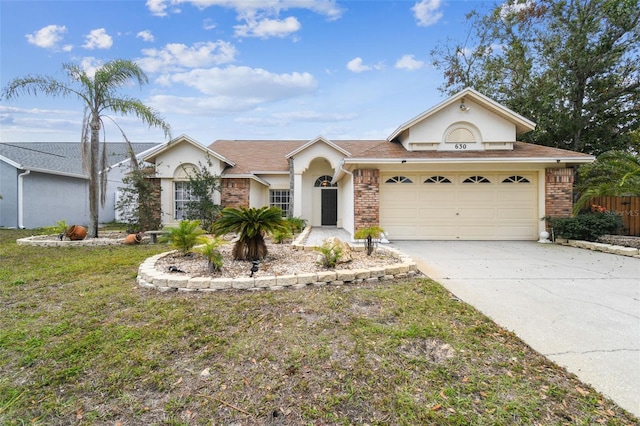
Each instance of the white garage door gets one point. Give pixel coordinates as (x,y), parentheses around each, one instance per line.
(465,206)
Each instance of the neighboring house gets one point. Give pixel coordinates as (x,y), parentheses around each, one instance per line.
(42,183)
(453,172)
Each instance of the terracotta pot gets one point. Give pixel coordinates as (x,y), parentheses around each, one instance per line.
(76,232)
(133,239)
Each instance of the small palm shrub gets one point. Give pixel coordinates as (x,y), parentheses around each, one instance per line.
(280,237)
(251,225)
(186,235)
(368,235)
(296,224)
(213,255)
(330,253)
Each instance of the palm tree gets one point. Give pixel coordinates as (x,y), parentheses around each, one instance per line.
(98,93)
(614,173)
(251,225)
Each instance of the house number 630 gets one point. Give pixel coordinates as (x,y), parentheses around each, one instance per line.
(461,146)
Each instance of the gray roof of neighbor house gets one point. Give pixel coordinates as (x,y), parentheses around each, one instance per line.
(61,158)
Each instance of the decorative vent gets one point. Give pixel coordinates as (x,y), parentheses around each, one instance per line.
(398,179)
(460,135)
(516,179)
(324,182)
(476,179)
(437,179)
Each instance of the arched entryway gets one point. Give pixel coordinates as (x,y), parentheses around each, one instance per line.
(328,201)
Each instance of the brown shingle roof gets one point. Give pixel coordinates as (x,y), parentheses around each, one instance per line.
(270,155)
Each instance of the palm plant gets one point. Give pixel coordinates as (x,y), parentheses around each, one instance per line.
(368,235)
(251,225)
(98,94)
(614,173)
(186,235)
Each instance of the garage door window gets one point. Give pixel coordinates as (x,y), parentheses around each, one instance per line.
(476,179)
(516,179)
(398,179)
(437,179)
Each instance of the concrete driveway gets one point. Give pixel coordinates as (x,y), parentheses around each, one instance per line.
(579,308)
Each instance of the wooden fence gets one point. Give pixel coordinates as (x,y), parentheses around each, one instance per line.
(627,207)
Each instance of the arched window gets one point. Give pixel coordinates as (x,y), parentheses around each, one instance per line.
(516,179)
(476,179)
(437,179)
(398,179)
(324,182)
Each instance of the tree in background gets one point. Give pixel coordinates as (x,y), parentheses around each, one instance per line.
(203,185)
(139,204)
(614,173)
(571,66)
(99,94)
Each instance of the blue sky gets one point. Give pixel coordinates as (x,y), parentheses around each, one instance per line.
(226,69)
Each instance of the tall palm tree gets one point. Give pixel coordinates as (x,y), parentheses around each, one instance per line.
(251,224)
(614,173)
(99,95)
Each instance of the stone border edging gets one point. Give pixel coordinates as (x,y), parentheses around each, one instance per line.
(36,240)
(607,248)
(150,277)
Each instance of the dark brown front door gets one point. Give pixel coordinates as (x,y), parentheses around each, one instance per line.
(329,207)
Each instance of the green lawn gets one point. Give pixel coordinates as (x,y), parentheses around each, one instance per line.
(82,344)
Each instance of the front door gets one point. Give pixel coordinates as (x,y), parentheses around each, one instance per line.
(329,207)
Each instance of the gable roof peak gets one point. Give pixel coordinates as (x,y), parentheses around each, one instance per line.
(523,125)
(318,139)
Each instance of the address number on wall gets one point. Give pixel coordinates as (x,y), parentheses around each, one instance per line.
(461,146)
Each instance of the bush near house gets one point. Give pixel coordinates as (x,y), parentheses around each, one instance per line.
(588,226)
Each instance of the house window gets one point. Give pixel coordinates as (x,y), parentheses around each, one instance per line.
(516,179)
(476,179)
(182,196)
(324,182)
(280,198)
(437,179)
(398,179)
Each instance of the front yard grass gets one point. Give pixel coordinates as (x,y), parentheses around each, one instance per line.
(82,344)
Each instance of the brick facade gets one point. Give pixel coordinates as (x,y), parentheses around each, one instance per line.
(366,197)
(558,192)
(234,192)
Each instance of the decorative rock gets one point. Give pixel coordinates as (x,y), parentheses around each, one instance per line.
(345,257)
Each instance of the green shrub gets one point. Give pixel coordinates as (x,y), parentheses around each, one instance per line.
(211,252)
(330,254)
(251,225)
(297,224)
(280,237)
(186,235)
(587,226)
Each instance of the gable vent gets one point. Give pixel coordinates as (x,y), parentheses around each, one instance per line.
(460,135)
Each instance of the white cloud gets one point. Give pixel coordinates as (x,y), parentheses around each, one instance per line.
(98,39)
(509,8)
(357,65)
(176,56)
(409,62)
(208,24)
(89,65)
(145,35)
(268,28)
(47,37)
(245,83)
(427,12)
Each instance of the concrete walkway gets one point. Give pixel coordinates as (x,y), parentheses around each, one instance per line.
(579,308)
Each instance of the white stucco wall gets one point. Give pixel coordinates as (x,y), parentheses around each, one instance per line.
(491,127)
(168,165)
